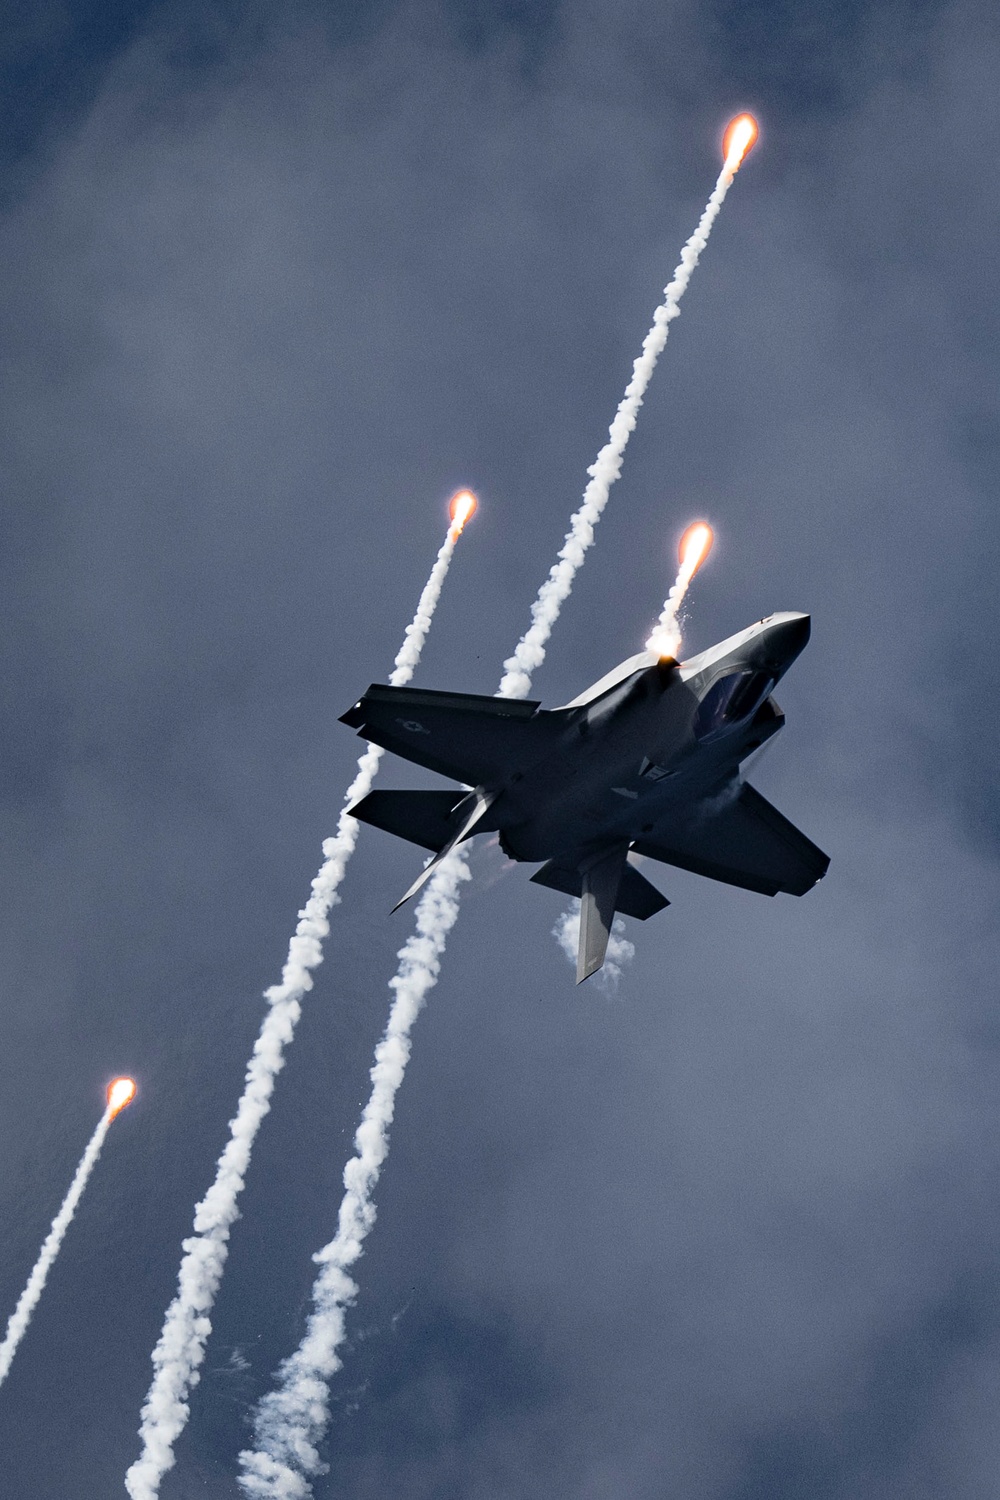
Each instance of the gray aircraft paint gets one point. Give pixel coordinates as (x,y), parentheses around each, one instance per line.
(646,760)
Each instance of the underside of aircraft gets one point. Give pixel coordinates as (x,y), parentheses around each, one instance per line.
(643,766)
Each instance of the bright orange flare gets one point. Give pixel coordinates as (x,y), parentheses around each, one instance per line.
(462,509)
(696,544)
(740,135)
(121,1092)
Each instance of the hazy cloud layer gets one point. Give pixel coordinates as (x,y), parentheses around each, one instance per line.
(732,1233)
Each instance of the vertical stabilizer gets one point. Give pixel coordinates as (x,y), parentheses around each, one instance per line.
(470,811)
(601,879)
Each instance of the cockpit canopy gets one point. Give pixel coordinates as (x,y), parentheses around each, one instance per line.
(730,701)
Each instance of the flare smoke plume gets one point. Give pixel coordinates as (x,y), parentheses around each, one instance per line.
(291,1420)
(180,1349)
(620,951)
(695,546)
(28,1300)
(607,466)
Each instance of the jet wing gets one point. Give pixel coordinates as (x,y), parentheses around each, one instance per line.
(478,740)
(745,842)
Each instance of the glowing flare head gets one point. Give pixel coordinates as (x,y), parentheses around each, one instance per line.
(740,135)
(696,544)
(665,641)
(462,509)
(121,1092)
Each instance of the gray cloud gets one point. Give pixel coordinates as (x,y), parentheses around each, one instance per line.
(732,1234)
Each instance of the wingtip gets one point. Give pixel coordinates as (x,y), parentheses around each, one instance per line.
(421,879)
(357,716)
(586,966)
(410,893)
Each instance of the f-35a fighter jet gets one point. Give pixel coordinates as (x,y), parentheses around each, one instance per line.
(644,763)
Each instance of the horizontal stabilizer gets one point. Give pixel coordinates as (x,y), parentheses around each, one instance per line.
(420,817)
(637,896)
(481,741)
(744,841)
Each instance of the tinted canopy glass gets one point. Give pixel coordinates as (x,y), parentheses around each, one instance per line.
(731,701)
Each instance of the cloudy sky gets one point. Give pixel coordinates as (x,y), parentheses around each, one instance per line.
(276,280)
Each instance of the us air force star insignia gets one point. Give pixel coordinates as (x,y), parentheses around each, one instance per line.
(413,725)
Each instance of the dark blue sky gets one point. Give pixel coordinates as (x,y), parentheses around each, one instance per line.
(274,284)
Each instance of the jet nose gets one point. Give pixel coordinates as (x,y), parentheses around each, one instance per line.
(785,636)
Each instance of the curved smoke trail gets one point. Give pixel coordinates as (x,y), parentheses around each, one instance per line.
(180,1349)
(28,1300)
(290,1421)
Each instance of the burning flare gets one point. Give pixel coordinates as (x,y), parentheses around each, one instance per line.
(696,543)
(607,466)
(180,1349)
(121,1092)
(462,509)
(292,1419)
(740,135)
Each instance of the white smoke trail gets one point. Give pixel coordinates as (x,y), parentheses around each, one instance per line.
(290,1420)
(607,466)
(180,1349)
(28,1300)
(620,951)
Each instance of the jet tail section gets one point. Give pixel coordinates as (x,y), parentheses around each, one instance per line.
(637,896)
(470,812)
(422,818)
(435,820)
(605,883)
(601,880)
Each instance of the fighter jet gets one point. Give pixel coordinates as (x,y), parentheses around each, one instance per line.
(644,764)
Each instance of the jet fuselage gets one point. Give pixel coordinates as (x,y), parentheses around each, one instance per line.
(647,761)
(636,750)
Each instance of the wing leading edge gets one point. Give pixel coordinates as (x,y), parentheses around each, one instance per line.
(469,738)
